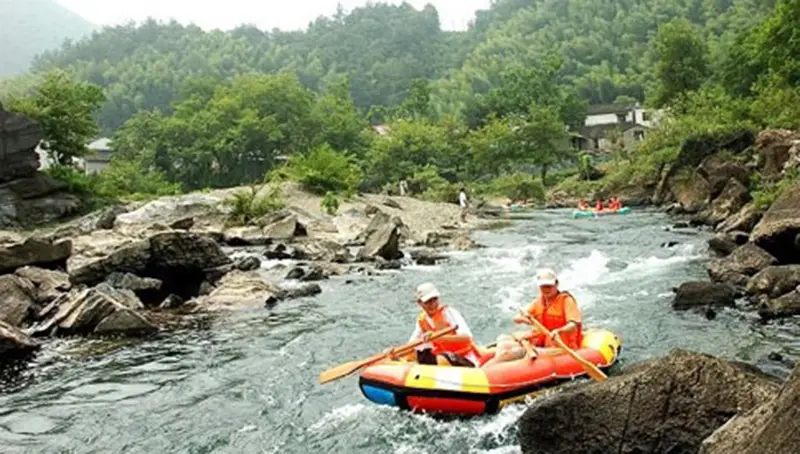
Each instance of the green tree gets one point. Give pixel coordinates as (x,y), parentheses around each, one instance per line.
(681,60)
(417,104)
(63,108)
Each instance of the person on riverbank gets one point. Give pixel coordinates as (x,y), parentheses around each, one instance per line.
(452,350)
(556,310)
(464,203)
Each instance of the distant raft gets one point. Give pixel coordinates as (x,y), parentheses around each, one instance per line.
(595,213)
(466,391)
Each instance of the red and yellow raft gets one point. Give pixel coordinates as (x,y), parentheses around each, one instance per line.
(474,391)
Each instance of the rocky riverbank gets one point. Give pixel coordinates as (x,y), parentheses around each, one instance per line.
(756,249)
(130,270)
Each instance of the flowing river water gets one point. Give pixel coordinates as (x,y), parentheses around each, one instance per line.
(247,382)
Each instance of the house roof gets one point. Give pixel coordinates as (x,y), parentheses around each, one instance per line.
(101,144)
(382,130)
(600,109)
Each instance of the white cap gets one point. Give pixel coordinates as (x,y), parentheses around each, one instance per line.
(546,276)
(426,292)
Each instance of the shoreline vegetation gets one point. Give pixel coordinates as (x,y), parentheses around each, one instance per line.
(294,145)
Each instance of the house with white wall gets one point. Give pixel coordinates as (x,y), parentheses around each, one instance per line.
(605,124)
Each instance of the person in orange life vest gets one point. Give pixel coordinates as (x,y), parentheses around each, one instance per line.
(455,349)
(556,310)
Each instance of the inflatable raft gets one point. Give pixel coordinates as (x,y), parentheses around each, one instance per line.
(592,214)
(468,391)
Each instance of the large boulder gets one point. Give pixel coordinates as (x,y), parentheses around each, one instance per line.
(382,239)
(19,137)
(786,305)
(773,149)
(283,225)
(737,268)
(16,299)
(242,290)
(731,200)
(47,284)
(133,257)
(34,251)
(694,151)
(766,429)
(181,260)
(667,405)
(718,170)
(321,250)
(167,210)
(101,310)
(743,221)
(778,232)
(703,294)
(15,344)
(774,281)
(34,200)
(692,192)
(722,244)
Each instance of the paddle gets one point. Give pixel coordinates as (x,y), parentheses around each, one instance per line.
(346,369)
(526,345)
(591,369)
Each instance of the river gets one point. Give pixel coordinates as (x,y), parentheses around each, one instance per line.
(247,382)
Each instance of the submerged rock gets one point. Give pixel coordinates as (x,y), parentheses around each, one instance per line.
(702,294)
(666,405)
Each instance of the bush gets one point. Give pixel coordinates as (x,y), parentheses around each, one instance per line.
(76,181)
(330,203)
(518,186)
(247,206)
(428,184)
(322,170)
(127,180)
(766,192)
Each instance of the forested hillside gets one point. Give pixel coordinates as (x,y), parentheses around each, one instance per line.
(30,27)
(490,107)
(384,47)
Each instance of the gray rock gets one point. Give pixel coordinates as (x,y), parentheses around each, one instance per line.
(702,294)
(48,284)
(766,429)
(670,404)
(737,268)
(16,299)
(15,344)
(34,251)
(248,263)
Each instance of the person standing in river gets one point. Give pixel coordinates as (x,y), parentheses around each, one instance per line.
(464,203)
(452,350)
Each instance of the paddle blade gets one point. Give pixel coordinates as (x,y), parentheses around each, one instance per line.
(339,371)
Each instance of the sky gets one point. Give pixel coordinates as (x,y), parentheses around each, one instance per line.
(266,14)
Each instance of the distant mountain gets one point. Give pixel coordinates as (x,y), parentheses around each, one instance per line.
(29,27)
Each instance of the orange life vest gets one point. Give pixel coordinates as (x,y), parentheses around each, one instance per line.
(440,322)
(553,317)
